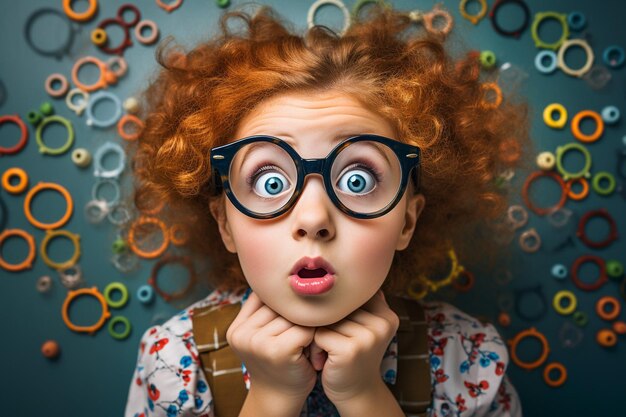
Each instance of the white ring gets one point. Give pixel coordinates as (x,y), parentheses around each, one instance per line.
(59,92)
(152,37)
(346,14)
(561,57)
(79,107)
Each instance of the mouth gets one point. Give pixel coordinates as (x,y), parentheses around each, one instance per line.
(312,276)
(312,268)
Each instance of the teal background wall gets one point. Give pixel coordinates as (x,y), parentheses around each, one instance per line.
(92,375)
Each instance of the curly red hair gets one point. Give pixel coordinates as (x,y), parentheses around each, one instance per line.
(434,101)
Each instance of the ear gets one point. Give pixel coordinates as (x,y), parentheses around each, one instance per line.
(218,211)
(414,206)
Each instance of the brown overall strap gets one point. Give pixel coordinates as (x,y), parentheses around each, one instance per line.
(220,364)
(413,384)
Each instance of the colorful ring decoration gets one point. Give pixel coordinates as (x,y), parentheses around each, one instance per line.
(532,332)
(455,270)
(610,115)
(598,177)
(559,271)
(131,237)
(79,107)
(313,9)
(48,186)
(114,173)
(81,157)
(546,161)
(526,195)
(417,289)
(517,216)
(132,120)
(109,203)
(582,225)
(49,85)
(116,286)
(119,20)
(83,16)
(562,150)
(597,77)
(546,68)
(71,277)
(530,241)
(107,77)
(555,366)
(44,283)
(27,263)
(63,49)
(619,327)
(117,219)
(516,32)
(145,294)
(487,59)
(125,261)
(99,37)
(43,148)
(429,21)
(560,217)
(23,138)
(22,180)
(580,318)
(580,195)
(96,211)
(121,320)
(612,303)
(571,305)
(541,16)
(169,7)
(103,95)
(609,52)
(474,18)
(550,110)
(178,234)
(71,295)
(183,260)
(578,134)
(491,86)
(117,65)
(576,21)
(614,268)
(51,234)
(464,281)
(152,27)
(602,279)
(561,57)
(606,338)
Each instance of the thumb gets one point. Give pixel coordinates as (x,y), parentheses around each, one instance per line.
(318,356)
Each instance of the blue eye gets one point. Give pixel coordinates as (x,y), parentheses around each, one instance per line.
(270,184)
(357,181)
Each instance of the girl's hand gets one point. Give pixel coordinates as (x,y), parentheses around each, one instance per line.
(272,349)
(354,347)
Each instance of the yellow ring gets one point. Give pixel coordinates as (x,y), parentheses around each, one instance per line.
(20,186)
(556,303)
(474,18)
(99,36)
(498,100)
(51,234)
(547,115)
(52,186)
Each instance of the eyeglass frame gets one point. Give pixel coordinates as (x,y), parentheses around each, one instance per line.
(409,157)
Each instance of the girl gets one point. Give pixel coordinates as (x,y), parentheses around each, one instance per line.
(315,172)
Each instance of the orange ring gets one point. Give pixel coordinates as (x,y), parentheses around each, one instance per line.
(576,126)
(540,210)
(619,327)
(601,304)
(178,235)
(131,237)
(492,104)
(555,382)
(606,338)
(129,118)
(51,186)
(106,76)
(85,291)
(26,263)
(80,17)
(581,195)
(467,285)
(15,172)
(532,332)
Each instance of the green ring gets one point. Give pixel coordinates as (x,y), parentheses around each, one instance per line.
(121,288)
(535,29)
(70,135)
(614,268)
(560,151)
(359,5)
(487,59)
(580,318)
(125,322)
(595,183)
(223,3)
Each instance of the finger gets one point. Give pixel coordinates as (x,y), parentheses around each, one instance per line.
(298,336)
(277,326)
(317,355)
(260,318)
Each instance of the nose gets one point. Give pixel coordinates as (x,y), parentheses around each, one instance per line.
(312,212)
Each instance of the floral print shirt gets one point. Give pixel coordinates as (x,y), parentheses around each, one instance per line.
(468,362)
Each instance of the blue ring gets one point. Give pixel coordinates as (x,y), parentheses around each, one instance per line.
(145,294)
(576,21)
(546,69)
(610,115)
(613,49)
(559,271)
(116,186)
(103,95)
(99,170)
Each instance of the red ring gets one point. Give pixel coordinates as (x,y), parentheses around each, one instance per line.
(602,279)
(465,286)
(538,210)
(582,224)
(22,142)
(186,262)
